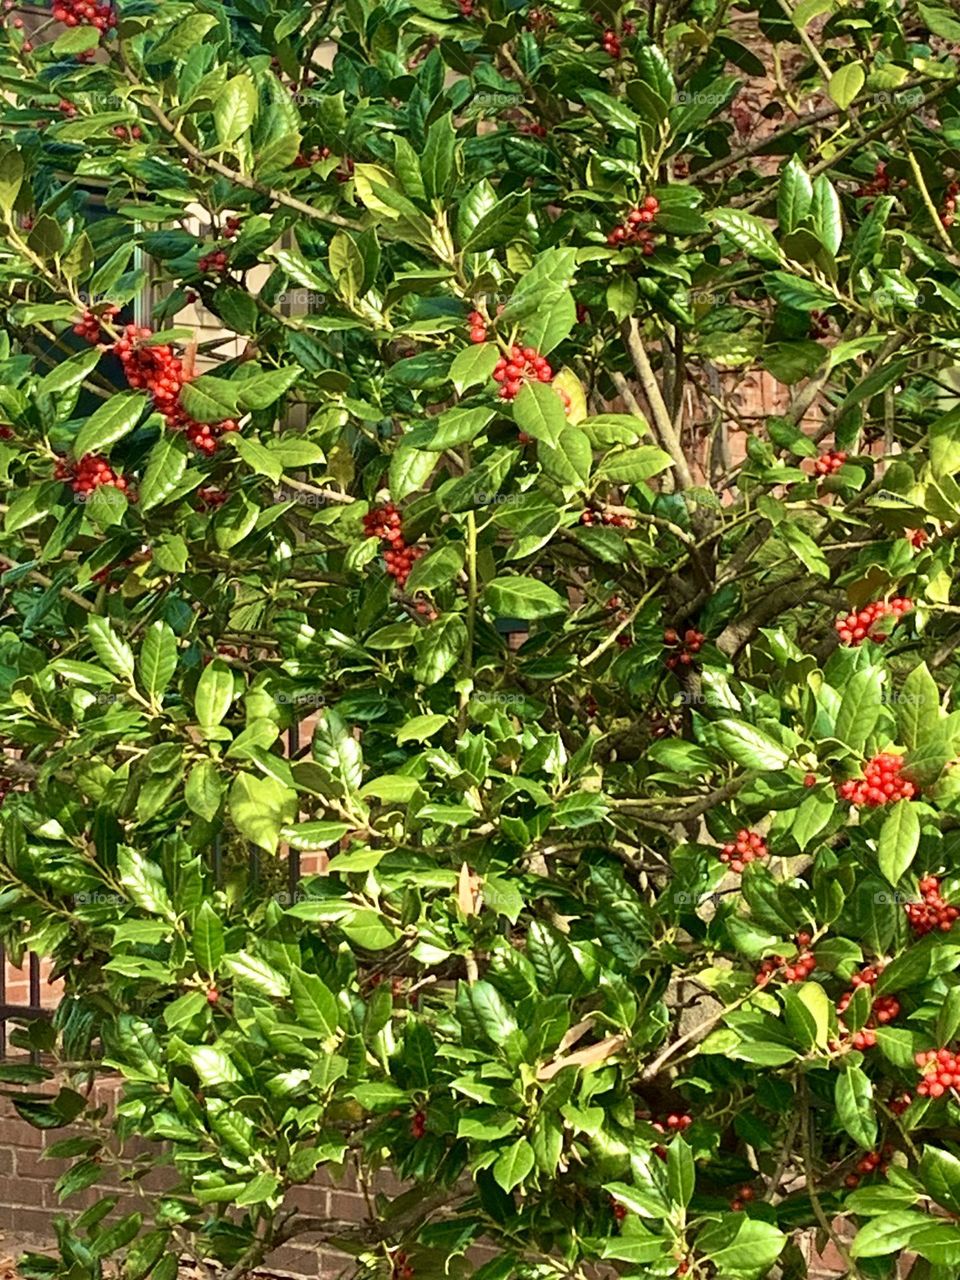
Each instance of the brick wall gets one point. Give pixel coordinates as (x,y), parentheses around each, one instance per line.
(28,1199)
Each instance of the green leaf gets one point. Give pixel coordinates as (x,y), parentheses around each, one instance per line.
(158,660)
(794,196)
(410,469)
(113,420)
(860,707)
(420,728)
(514,1164)
(630,466)
(474,365)
(250,971)
(260,460)
(439,647)
(143,882)
(260,807)
(437,568)
(748,233)
(899,841)
(11,178)
(346,265)
(235,109)
(115,654)
(538,411)
(740,1246)
(204,790)
(207,938)
(212,1065)
(235,521)
(825,214)
(940,21)
(165,468)
(853,1097)
(749,746)
(178,40)
(210,399)
(804,548)
(940,1175)
(313,1003)
(920,962)
(489,1010)
(78,39)
(369,930)
(449,429)
(522,597)
(681,1172)
(437,161)
(844,85)
(261,389)
(891,1232)
(215,692)
(504,223)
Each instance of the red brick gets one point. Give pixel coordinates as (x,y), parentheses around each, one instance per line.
(349,1205)
(300,1259)
(17,1133)
(31,1164)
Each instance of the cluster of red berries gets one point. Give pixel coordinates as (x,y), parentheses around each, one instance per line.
(675,1122)
(939,1071)
(88,326)
(798,969)
(385,523)
(749,846)
(524,364)
(868,1164)
(478,327)
(91,472)
(209,497)
(618,521)
(819,324)
(881,782)
(829,462)
(125,134)
(425,609)
(932,913)
(418,1125)
(217,261)
(691,644)
(401,1267)
(231,228)
(223,651)
(84,13)
(744,1195)
(307,158)
(917,538)
(899,1104)
(948,213)
(67,108)
(855,627)
(884,1009)
(611,41)
(541,20)
(158,370)
(619,1210)
(879,184)
(635,229)
(533,129)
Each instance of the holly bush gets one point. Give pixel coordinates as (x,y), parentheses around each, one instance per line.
(608,707)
